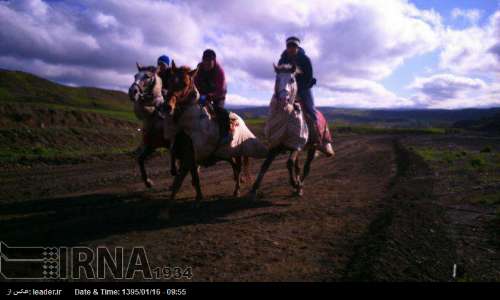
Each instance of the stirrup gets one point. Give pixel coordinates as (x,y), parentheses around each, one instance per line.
(227,139)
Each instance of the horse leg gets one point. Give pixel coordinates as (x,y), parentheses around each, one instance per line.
(236,165)
(165,213)
(173,166)
(290,164)
(146,151)
(179,179)
(195,176)
(193,182)
(263,169)
(245,168)
(300,184)
(294,171)
(307,165)
(185,152)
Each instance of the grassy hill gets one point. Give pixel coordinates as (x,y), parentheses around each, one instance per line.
(43,121)
(16,86)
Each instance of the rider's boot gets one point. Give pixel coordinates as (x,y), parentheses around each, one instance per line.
(224,127)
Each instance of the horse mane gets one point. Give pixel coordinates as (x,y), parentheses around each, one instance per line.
(287,68)
(148,69)
(189,95)
(184,69)
(284,67)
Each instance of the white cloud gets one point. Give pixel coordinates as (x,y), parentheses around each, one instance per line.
(361,94)
(235,99)
(346,40)
(352,43)
(452,91)
(471,15)
(472,50)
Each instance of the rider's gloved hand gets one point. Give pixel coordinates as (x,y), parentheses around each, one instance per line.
(203,100)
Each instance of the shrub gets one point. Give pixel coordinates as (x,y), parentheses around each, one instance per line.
(486,149)
(477,162)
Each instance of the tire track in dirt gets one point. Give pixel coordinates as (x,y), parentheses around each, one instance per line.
(409,239)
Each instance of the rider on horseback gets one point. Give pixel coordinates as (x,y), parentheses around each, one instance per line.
(163,72)
(211,84)
(295,55)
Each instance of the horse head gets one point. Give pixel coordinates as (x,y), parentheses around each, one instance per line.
(145,83)
(181,86)
(285,88)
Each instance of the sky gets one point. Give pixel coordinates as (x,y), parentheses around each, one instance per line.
(365,53)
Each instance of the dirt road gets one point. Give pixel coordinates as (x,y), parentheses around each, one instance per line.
(278,238)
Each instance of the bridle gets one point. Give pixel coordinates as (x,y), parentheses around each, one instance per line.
(146,93)
(293,91)
(181,96)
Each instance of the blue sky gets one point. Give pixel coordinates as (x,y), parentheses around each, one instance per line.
(418,65)
(446,6)
(367,54)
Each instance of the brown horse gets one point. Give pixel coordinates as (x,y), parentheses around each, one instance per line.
(145,93)
(200,134)
(286,130)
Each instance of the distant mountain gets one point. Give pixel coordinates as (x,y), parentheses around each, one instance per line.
(489,124)
(389,118)
(21,87)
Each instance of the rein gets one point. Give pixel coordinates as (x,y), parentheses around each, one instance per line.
(147,92)
(293,93)
(186,93)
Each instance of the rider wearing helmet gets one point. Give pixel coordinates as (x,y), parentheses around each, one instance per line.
(211,84)
(163,71)
(294,54)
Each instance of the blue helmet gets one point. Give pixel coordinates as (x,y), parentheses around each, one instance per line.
(164,59)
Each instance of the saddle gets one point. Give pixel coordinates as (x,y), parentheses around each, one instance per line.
(233,120)
(319,131)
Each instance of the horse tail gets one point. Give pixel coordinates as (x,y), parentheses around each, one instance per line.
(246,169)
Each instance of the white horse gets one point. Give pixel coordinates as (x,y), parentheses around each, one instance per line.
(145,93)
(286,130)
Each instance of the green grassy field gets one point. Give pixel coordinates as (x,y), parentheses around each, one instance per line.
(53,145)
(365,129)
(461,159)
(340,128)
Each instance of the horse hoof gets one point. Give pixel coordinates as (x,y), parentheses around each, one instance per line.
(299,193)
(328,150)
(164,214)
(149,183)
(237,194)
(252,196)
